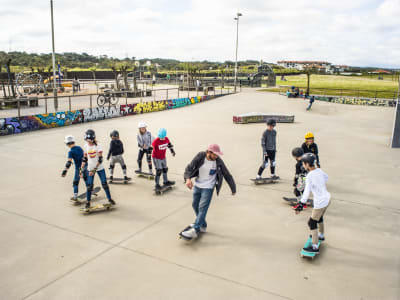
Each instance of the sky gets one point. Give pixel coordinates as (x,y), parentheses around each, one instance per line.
(350,32)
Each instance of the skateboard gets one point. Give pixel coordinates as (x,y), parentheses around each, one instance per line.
(304,253)
(181,236)
(145,175)
(293,201)
(82,197)
(265,180)
(119,180)
(98,207)
(163,189)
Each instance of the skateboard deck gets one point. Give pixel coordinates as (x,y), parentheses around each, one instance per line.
(265,180)
(181,236)
(82,197)
(293,201)
(145,175)
(98,207)
(163,189)
(304,253)
(119,180)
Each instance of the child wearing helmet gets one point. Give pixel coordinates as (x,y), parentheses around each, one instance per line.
(75,154)
(268,144)
(160,145)
(309,146)
(93,158)
(315,183)
(115,152)
(145,140)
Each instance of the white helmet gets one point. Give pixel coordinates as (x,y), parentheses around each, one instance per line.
(142,125)
(69,139)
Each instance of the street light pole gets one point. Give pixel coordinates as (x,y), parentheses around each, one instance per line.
(237,42)
(396,125)
(54,59)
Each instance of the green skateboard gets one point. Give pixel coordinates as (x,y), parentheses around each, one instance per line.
(304,253)
(145,175)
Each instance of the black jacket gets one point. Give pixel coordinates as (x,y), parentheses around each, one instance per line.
(313,148)
(300,171)
(116,148)
(192,170)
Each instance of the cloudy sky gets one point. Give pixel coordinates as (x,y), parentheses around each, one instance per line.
(352,32)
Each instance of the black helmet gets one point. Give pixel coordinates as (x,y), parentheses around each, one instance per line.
(114,133)
(271,122)
(309,158)
(297,152)
(90,135)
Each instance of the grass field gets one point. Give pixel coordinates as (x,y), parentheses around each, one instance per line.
(356,86)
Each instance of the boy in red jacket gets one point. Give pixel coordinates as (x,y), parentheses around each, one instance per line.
(160,145)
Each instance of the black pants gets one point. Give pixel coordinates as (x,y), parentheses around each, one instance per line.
(271,157)
(148,158)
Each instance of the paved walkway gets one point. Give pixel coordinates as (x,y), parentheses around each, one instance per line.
(49,250)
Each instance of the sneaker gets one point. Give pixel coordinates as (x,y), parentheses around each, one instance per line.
(112,202)
(190,233)
(273,176)
(87,206)
(320,238)
(297,205)
(169,183)
(311,249)
(138,171)
(258,177)
(202,229)
(157,187)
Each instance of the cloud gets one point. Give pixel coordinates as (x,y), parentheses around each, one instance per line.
(357,32)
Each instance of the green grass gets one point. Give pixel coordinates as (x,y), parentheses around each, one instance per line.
(355,86)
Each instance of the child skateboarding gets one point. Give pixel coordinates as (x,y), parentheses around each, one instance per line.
(160,146)
(209,170)
(93,157)
(75,154)
(309,146)
(145,140)
(315,183)
(268,144)
(312,99)
(115,153)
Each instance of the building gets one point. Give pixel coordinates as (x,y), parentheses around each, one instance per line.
(322,66)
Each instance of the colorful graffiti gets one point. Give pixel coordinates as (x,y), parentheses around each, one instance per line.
(65,118)
(357,101)
(261,118)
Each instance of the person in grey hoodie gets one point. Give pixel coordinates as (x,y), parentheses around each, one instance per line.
(144,139)
(268,144)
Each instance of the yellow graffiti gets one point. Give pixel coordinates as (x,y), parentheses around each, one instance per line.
(146,107)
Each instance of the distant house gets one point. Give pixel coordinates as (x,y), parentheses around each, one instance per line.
(381,72)
(300,65)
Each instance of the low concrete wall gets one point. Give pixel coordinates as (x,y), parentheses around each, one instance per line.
(357,101)
(43,121)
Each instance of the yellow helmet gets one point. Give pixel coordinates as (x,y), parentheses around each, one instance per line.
(309,135)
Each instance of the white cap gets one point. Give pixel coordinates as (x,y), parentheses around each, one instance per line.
(69,139)
(142,125)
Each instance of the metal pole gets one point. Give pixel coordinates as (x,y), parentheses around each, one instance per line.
(237,42)
(54,59)
(69,102)
(90,97)
(19,107)
(167,94)
(396,125)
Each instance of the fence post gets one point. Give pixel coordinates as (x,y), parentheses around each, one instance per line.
(126,97)
(91,102)
(154,95)
(167,94)
(19,107)
(69,103)
(45,105)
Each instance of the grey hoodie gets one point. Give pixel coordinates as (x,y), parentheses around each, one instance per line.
(268,140)
(145,138)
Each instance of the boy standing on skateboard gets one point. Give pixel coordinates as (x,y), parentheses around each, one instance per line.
(160,145)
(93,157)
(310,147)
(268,144)
(316,183)
(145,139)
(209,170)
(74,154)
(115,152)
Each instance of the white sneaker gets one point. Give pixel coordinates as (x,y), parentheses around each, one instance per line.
(190,233)
(258,177)
(202,229)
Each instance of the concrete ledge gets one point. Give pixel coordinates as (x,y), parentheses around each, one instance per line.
(256,117)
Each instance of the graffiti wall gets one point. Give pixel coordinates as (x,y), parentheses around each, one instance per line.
(65,118)
(357,101)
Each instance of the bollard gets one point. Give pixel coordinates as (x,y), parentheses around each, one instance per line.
(69,102)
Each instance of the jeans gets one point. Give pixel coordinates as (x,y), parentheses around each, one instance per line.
(103,179)
(77,179)
(201,203)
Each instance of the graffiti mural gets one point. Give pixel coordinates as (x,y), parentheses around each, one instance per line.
(357,101)
(65,118)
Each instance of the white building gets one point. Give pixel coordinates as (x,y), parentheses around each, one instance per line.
(300,65)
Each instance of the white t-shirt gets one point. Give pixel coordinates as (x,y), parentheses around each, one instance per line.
(93,156)
(207,175)
(316,183)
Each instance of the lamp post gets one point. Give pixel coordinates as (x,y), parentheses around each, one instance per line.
(396,125)
(237,42)
(54,59)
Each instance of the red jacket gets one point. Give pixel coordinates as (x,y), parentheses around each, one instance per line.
(160,147)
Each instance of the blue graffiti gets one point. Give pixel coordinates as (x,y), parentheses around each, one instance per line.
(59,118)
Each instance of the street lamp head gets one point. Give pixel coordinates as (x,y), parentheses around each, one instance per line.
(239,14)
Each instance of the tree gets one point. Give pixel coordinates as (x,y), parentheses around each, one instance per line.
(123,68)
(309,71)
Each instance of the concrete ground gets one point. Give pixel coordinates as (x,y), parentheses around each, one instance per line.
(50,250)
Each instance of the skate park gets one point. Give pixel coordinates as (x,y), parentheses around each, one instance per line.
(50,250)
